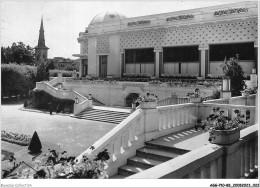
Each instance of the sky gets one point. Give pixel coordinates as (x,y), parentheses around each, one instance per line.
(64,20)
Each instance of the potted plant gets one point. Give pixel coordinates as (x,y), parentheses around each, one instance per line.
(195,97)
(222,129)
(148,101)
(248,91)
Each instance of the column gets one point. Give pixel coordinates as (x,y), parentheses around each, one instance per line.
(80,68)
(122,60)
(158,61)
(256,54)
(203,59)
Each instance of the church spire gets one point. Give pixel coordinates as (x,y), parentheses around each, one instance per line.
(41,40)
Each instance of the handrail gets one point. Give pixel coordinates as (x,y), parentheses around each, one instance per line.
(116,132)
(196,162)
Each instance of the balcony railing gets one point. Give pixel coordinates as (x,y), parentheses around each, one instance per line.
(238,160)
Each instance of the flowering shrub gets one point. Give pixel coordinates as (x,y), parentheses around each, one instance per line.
(194,95)
(148,98)
(250,91)
(217,121)
(57,165)
(15,138)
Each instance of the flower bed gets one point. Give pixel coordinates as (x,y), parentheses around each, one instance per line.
(15,138)
(155,82)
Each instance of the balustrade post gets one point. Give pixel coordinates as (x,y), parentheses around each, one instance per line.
(252,154)
(169,119)
(125,137)
(131,133)
(164,120)
(174,117)
(247,159)
(252,116)
(256,152)
(203,172)
(160,121)
(243,162)
(219,168)
(178,117)
(117,146)
(213,169)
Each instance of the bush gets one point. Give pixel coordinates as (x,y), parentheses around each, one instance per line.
(35,145)
(17,79)
(42,72)
(236,74)
(41,99)
(54,73)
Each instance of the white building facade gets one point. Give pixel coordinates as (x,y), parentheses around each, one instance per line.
(188,43)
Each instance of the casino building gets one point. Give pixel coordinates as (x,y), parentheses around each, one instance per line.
(190,42)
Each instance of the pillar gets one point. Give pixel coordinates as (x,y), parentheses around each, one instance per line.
(80,68)
(122,60)
(158,62)
(256,55)
(203,60)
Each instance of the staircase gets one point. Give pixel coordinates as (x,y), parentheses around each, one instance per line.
(154,153)
(102,115)
(96,102)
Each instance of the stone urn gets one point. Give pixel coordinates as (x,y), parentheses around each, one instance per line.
(225,137)
(196,100)
(148,105)
(244,94)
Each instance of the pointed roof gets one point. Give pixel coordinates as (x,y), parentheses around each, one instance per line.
(41,40)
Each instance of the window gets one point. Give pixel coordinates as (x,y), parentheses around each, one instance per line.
(139,55)
(181,54)
(218,52)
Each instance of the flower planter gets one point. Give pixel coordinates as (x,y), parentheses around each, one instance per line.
(225,137)
(148,105)
(195,100)
(244,94)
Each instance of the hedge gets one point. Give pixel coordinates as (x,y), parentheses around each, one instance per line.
(54,73)
(41,101)
(17,79)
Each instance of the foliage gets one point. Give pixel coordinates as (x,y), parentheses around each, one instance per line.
(17,79)
(235,72)
(250,91)
(54,73)
(217,121)
(15,138)
(196,94)
(216,94)
(35,145)
(18,53)
(42,98)
(42,72)
(148,98)
(57,165)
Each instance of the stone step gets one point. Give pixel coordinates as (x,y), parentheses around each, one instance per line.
(156,154)
(90,111)
(142,162)
(118,176)
(128,170)
(166,148)
(102,120)
(110,116)
(116,116)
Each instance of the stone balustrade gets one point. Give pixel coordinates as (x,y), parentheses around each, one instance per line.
(121,142)
(172,101)
(82,104)
(235,161)
(219,101)
(249,111)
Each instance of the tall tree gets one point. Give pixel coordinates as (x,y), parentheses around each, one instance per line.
(18,53)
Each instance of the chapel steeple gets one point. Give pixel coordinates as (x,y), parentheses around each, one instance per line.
(41,49)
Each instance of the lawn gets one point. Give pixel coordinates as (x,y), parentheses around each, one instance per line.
(55,131)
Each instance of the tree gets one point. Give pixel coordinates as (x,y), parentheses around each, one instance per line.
(232,69)
(18,53)
(35,145)
(42,72)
